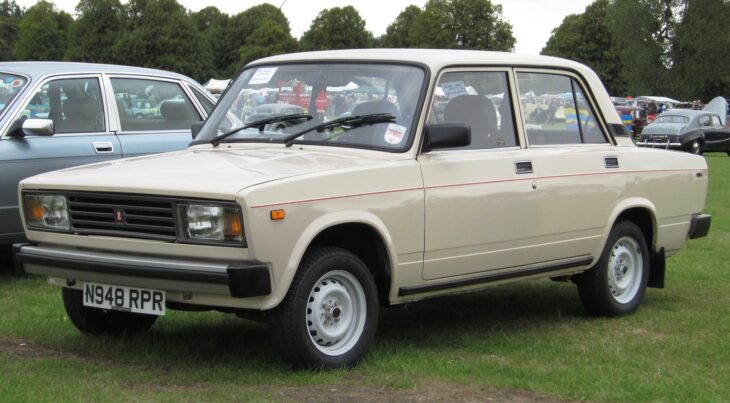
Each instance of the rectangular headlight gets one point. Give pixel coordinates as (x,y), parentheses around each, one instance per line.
(46,211)
(211,223)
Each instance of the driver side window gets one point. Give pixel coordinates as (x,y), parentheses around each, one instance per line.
(74,105)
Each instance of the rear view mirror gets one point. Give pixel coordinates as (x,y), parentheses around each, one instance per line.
(195,128)
(446,136)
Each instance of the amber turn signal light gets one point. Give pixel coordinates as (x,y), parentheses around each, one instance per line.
(278,215)
(232,227)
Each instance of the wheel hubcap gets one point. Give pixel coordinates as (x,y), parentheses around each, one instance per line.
(336,312)
(696,147)
(625,269)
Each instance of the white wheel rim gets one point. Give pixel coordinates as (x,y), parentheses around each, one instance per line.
(336,312)
(625,269)
(696,147)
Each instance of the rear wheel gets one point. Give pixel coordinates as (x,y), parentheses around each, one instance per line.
(616,285)
(329,317)
(97,321)
(696,147)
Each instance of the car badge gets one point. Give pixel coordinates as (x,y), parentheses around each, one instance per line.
(118,216)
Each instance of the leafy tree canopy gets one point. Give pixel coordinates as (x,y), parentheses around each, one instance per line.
(337,28)
(10,17)
(398,34)
(93,35)
(43,33)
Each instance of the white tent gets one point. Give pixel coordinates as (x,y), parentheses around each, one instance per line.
(216,86)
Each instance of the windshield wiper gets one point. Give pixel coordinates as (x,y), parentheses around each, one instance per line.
(260,125)
(353,121)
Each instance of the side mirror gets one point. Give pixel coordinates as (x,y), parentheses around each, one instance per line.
(446,136)
(31,127)
(195,128)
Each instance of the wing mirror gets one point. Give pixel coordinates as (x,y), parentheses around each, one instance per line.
(446,136)
(195,128)
(31,127)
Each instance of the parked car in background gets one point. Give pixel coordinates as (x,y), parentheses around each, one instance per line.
(317,224)
(690,130)
(55,115)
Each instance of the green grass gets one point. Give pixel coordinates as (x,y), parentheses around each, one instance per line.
(531,337)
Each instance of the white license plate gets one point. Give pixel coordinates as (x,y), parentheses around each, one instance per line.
(127,299)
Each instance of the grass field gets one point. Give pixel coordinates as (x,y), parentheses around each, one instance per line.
(530,341)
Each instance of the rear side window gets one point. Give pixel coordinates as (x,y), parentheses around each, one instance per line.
(555,110)
(150,105)
(481,101)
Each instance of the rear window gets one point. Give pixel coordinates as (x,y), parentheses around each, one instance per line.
(10,87)
(672,119)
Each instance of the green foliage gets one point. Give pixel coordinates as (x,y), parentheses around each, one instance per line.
(10,17)
(398,34)
(461,24)
(267,40)
(214,25)
(587,38)
(43,33)
(702,50)
(95,31)
(159,35)
(337,28)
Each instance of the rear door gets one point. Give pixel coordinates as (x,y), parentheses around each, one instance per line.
(153,115)
(76,105)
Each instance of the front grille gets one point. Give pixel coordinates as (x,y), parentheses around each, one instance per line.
(122,215)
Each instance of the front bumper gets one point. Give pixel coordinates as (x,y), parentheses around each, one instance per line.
(247,279)
(660,144)
(699,226)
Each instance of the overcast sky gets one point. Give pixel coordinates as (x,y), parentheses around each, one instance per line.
(532,20)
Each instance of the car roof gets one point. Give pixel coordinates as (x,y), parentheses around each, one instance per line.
(37,70)
(434,58)
(690,113)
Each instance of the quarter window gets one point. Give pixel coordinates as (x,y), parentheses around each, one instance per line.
(555,111)
(149,105)
(204,101)
(480,100)
(74,105)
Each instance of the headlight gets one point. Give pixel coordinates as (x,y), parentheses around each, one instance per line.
(46,211)
(211,223)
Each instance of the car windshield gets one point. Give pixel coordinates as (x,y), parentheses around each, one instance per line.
(324,91)
(10,86)
(672,119)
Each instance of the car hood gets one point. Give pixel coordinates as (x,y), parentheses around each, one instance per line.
(206,173)
(663,128)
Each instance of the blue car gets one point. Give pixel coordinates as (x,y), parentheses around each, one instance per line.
(56,115)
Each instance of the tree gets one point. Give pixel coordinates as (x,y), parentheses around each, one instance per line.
(43,33)
(267,40)
(337,28)
(159,35)
(398,34)
(213,25)
(702,50)
(587,38)
(10,17)
(462,24)
(96,29)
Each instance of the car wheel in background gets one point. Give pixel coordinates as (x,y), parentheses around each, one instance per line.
(696,147)
(97,321)
(329,317)
(616,284)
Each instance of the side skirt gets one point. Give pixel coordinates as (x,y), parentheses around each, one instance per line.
(490,278)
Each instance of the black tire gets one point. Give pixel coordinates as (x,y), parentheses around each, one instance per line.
(98,321)
(602,289)
(696,147)
(322,276)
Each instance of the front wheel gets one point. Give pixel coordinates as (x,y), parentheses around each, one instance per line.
(329,317)
(616,285)
(97,321)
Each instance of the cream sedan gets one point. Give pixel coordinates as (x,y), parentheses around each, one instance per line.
(317,219)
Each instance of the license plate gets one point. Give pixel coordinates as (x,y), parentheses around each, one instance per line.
(127,299)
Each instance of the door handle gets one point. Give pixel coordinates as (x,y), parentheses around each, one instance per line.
(103,147)
(523,167)
(610,162)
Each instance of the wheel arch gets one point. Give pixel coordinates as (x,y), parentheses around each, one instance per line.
(361,233)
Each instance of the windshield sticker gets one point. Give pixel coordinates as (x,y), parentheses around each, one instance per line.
(454,89)
(263,75)
(394,134)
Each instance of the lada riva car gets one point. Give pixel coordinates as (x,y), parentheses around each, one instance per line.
(317,220)
(56,115)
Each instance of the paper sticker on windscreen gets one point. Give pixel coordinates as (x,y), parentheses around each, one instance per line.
(263,75)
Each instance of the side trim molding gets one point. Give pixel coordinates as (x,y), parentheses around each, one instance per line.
(489,278)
